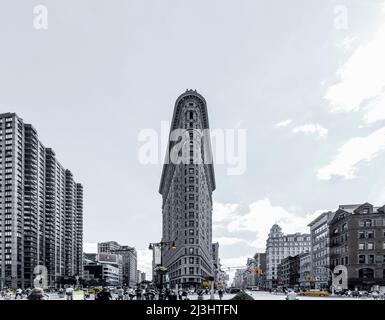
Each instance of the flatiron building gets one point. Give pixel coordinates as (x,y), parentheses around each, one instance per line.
(186,188)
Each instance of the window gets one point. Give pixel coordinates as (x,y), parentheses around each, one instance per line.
(361,258)
(366,223)
(371,258)
(370,245)
(361,235)
(344,227)
(361,246)
(370,235)
(366,273)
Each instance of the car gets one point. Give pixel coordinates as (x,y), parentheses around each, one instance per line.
(234,290)
(314,294)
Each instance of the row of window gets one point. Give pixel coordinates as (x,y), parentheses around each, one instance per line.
(362,259)
(368,246)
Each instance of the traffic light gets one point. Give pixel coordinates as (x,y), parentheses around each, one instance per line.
(258,271)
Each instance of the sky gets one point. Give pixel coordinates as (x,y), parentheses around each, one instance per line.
(304,79)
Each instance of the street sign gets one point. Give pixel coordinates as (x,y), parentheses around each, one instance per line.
(157,255)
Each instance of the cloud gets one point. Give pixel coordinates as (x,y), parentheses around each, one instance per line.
(375,110)
(223,211)
(89,247)
(284,123)
(346,43)
(262,215)
(230,241)
(361,78)
(312,128)
(352,153)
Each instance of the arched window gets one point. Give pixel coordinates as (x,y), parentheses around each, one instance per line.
(366,273)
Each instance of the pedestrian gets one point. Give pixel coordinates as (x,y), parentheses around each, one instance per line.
(138,293)
(104,295)
(131,293)
(19,293)
(125,293)
(70,293)
(120,293)
(162,294)
(86,294)
(37,294)
(291,295)
(180,294)
(184,294)
(220,293)
(61,293)
(27,292)
(173,295)
(152,294)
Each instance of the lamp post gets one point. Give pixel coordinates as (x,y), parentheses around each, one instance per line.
(159,268)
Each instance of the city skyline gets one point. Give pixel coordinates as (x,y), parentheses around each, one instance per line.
(267,74)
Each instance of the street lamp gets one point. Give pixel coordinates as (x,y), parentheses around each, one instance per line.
(160,269)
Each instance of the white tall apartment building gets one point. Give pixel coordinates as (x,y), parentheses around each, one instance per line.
(41,209)
(280,246)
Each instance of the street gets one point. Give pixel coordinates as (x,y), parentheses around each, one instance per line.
(257,295)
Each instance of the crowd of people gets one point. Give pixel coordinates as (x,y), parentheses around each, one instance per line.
(105,293)
(18,294)
(151,293)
